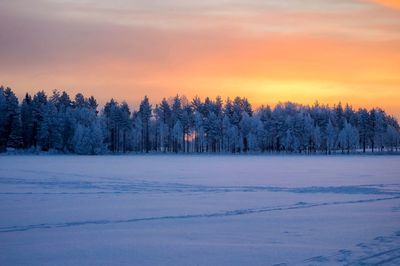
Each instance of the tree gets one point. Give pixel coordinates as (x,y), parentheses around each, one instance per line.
(27,121)
(145,115)
(15,139)
(110,114)
(79,101)
(348,137)
(177,132)
(245,127)
(177,125)
(88,135)
(380,128)
(124,125)
(339,116)
(199,132)
(50,130)
(227,139)
(9,120)
(38,103)
(163,117)
(392,137)
(330,137)
(137,131)
(187,124)
(3,120)
(363,118)
(317,138)
(291,141)
(92,103)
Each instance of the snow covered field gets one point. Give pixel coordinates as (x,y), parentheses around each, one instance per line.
(199,210)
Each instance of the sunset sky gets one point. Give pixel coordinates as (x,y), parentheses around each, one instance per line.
(268,51)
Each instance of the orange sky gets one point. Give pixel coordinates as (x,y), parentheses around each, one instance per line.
(268,51)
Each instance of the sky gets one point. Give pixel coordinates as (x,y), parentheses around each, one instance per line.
(268,51)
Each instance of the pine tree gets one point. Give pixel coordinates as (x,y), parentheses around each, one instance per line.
(330,137)
(372,128)
(348,137)
(392,137)
(3,120)
(177,136)
(199,132)
(145,115)
(179,126)
(38,104)
(245,126)
(10,119)
(187,124)
(110,116)
(15,139)
(137,131)
(50,130)
(339,116)
(317,138)
(362,116)
(79,101)
(226,137)
(27,121)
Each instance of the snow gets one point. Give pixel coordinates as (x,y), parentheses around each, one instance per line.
(199,210)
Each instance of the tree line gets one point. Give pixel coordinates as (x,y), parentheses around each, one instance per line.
(177,125)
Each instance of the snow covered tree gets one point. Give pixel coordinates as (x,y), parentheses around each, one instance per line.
(392,138)
(110,116)
(3,120)
(348,137)
(137,131)
(212,131)
(15,139)
(187,124)
(50,130)
(163,118)
(177,125)
(380,128)
(317,138)
(227,139)
(330,137)
(199,137)
(177,134)
(38,104)
(363,118)
(88,137)
(79,101)
(376,128)
(339,116)
(245,126)
(10,123)
(145,115)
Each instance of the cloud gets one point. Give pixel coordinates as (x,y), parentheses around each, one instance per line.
(388,3)
(266,49)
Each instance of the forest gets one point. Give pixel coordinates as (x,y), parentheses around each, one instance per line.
(59,123)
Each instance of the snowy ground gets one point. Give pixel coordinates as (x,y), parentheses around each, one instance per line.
(199,210)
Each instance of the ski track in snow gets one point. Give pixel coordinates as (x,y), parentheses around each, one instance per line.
(383,250)
(141,186)
(299,205)
(120,186)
